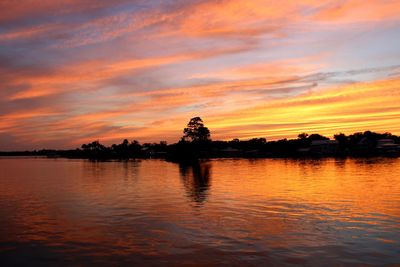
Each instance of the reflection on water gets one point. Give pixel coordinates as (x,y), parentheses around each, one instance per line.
(214,213)
(196,178)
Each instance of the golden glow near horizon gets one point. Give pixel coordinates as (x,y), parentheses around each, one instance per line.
(76,71)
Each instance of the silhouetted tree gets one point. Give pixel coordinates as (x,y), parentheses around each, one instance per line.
(94,150)
(302,136)
(196,131)
(93,146)
(261,140)
(342,139)
(313,137)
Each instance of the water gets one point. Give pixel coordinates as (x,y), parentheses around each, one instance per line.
(59,212)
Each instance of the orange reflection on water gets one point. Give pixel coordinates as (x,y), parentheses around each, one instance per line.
(254,212)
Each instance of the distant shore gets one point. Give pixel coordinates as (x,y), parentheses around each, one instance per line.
(361,144)
(196,143)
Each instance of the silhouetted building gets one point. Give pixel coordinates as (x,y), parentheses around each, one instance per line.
(230,152)
(324,147)
(387,146)
(365,144)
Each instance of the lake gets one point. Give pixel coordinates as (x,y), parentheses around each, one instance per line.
(222,212)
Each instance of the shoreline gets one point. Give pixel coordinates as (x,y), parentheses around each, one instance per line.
(188,160)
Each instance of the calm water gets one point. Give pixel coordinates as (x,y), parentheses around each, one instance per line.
(219,213)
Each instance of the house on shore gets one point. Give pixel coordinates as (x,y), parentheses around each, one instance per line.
(324,147)
(230,152)
(387,146)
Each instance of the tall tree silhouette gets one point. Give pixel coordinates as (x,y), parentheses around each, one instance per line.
(196,131)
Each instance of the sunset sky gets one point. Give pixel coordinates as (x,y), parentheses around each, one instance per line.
(76,71)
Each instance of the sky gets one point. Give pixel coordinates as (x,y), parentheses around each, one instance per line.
(76,71)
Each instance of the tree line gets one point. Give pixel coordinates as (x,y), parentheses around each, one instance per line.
(196,143)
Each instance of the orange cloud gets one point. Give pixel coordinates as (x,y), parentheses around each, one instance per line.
(351,11)
(12,121)
(249,68)
(86,73)
(347,108)
(231,18)
(28,33)
(32,93)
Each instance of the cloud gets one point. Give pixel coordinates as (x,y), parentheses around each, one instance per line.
(347,108)
(356,11)
(72,71)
